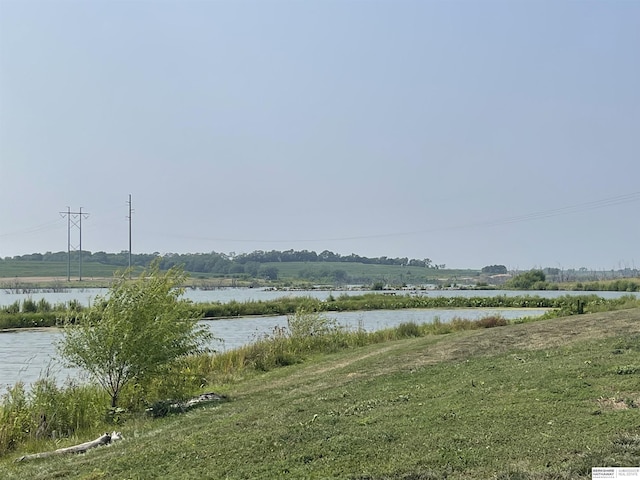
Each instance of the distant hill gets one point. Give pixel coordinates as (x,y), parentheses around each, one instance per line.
(294,266)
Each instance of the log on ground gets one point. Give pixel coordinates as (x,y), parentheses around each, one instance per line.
(105,439)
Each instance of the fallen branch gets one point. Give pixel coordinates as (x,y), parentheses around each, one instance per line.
(204,398)
(164,407)
(105,439)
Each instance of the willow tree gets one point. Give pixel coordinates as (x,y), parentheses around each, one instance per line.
(135,331)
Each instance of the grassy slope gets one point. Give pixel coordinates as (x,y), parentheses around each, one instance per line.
(356,270)
(541,400)
(10,269)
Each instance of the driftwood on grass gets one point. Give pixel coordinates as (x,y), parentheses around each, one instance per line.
(105,439)
(165,407)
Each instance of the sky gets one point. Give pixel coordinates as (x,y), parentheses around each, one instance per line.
(471,133)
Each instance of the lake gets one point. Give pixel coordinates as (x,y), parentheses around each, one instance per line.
(27,354)
(86,295)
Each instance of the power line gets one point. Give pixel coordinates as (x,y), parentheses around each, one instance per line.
(74,219)
(35,229)
(568,210)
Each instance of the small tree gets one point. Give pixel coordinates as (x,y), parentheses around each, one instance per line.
(135,331)
(533,279)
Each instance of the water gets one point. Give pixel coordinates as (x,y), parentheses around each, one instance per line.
(27,354)
(87,295)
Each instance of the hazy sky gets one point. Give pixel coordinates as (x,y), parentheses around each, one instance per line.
(468,132)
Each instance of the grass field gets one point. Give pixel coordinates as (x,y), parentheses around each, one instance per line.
(356,271)
(57,270)
(542,400)
(40,271)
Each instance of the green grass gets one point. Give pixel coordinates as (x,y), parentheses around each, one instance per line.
(542,400)
(374,301)
(24,268)
(287,271)
(394,274)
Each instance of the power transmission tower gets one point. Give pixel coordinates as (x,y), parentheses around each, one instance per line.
(129,217)
(74,219)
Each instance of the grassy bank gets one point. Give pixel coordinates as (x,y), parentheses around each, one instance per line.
(566,304)
(541,400)
(28,313)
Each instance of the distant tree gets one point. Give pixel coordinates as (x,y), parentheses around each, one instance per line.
(340,276)
(327,256)
(531,280)
(139,328)
(251,268)
(236,269)
(269,273)
(494,269)
(100,257)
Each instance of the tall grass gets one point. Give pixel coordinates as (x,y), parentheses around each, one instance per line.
(566,304)
(29,313)
(310,333)
(47,411)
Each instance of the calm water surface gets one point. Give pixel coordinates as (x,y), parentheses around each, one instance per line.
(27,354)
(86,295)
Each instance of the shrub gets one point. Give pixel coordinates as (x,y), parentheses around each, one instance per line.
(533,279)
(492,321)
(136,333)
(408,330)
(14,417)
(48,411)
(44,305)
(13,308)
(304,323)
(29,305)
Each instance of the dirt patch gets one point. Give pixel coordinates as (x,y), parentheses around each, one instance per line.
(616,403)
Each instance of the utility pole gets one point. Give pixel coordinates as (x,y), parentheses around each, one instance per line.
(129,217)
(73,219)
(80,228)
(68,215)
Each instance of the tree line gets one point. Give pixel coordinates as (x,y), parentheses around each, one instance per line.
(222,263)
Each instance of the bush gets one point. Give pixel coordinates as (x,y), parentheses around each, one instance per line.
(48,411)
(29,305)
(44,305)
(492,321)
(307,324)
(13,308)
(408,330)
(136,333)
(534,279)
(14,418)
